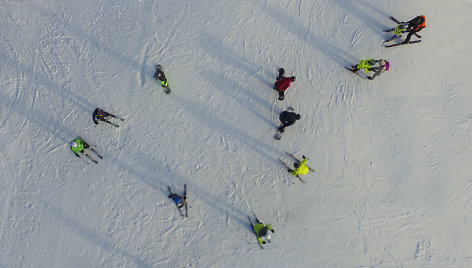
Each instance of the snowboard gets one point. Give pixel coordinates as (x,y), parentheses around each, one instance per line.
(160,70)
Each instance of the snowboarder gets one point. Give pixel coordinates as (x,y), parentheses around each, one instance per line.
(262,231)
(300,168)
(288,118)
(159,75)
(370,65)
(282,83)
(79,145)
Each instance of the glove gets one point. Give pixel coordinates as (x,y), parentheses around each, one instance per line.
(273,231)
(263,242)
(77,155)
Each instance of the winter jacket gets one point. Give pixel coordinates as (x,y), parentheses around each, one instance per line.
(261,230)
(283,84)
(288,118)
(79,148)
(99,114)
(302,168)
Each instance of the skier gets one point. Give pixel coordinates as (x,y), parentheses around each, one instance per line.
(300,168)
(412,27)
(415,25)
(180,201)
(370,65)
(282,83)
(99,114)
(262,231)
(288,118)
(78,146)
(397,31)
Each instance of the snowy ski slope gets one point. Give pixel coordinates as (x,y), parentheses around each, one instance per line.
(392,183)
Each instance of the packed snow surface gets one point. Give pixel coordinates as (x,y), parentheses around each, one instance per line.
(392,164)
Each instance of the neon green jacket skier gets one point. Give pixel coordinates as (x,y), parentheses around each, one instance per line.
(261,231)
(77,145)
(302,169)
(364,64)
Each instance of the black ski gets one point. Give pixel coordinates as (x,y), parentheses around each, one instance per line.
(281,161)
(355,72)
(89,157)
(185,198)
(117,117)
(397,21)
(91,149)
(109,122)
(399,44)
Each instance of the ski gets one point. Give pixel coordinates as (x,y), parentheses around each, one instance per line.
(117,117)
(91,149)
(89,157)
(185,198)
(352,71)
(299,161)
(397,21)
(178,208)
(281,161)
(399,44)
(109,122)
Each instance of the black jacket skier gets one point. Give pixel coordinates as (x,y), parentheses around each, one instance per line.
(99,114)
(415,25)
(288,118)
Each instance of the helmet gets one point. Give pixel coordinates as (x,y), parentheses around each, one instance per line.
(387,65)
(177,199)
(73,144)
(267,236)
(298,116)
(296,164)
(293,78)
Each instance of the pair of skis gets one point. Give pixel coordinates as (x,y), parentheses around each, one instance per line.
(91,149)
(287,167)
(112,123)
(399,44)
(181,204)
(252,226)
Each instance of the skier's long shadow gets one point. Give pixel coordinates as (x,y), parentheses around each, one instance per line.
(90,235)
(366,17)
(168,177)
(296,28)
(231,87)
